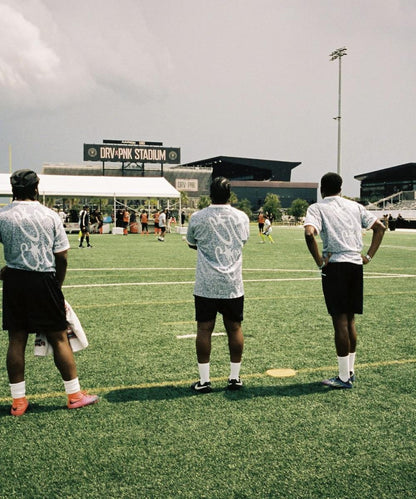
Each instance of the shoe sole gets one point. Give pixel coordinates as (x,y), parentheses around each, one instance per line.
(337,387)
(234,388)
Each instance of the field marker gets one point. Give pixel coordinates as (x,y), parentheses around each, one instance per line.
(281,373)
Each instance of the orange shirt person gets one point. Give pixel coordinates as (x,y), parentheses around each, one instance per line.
(261,222)
(156,219)
(126,220)
(144,222)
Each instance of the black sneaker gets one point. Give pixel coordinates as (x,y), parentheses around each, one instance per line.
(234,384)
(337,383)
(205,388)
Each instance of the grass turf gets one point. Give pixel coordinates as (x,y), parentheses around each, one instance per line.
(279,437)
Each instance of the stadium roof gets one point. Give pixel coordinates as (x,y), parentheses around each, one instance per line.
(100,187)
(245,168)
(406,171)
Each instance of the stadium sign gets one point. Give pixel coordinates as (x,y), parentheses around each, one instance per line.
(186,184)
(125,153)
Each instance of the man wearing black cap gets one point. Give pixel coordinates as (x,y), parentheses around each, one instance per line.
(35,249)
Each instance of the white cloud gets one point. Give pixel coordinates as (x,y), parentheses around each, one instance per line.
(54,54)
(25,59)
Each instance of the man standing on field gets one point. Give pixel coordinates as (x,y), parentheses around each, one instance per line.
(35,250)
(340,223)
(218,233)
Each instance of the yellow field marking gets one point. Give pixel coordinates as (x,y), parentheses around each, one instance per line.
(142,386)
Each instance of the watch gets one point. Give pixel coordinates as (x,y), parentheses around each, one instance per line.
(368,257)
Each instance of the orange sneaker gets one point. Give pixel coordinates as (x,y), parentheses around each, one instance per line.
(81,399)
(19,406)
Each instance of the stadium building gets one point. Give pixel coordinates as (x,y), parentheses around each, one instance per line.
(391,192)
(389,182)
(251,179)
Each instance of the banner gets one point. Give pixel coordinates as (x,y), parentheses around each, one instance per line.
(131,154)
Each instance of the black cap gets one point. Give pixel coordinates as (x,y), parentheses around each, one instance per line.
(24,178)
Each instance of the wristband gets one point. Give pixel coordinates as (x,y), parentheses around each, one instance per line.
(368,257)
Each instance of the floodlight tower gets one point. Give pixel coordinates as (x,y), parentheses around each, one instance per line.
(338,54)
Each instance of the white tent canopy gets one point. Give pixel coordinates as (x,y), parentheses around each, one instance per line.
(98,187)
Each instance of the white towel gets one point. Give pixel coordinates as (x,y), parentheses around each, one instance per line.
(76,335)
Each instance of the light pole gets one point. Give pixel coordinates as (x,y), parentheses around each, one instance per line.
(338,54)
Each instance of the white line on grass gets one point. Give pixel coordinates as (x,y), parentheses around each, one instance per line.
(185,336)
(400,247)
(167,283)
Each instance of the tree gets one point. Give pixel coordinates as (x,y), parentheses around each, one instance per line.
(204,201)
(272,205)
(245,205)
(184,198)
(298,208)
(233,198)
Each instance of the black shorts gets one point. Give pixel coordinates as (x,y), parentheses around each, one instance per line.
(342,284)
(32,302)
(206,309)
(261,226)
(163,229)
(144,227)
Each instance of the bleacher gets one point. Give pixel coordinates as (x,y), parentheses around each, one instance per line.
(401,206)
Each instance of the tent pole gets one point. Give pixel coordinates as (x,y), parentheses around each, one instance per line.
(115,213)
(180,213)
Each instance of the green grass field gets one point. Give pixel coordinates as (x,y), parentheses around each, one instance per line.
(150,437)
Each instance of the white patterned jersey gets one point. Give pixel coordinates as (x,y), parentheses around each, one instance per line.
(219,232)
(31,233)
(340,222)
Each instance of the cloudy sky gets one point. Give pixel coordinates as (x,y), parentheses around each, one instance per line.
(249,78)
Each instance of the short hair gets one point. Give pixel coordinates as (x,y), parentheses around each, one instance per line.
(24,184)
(220,190)
(331,183)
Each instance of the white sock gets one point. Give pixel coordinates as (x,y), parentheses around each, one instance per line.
(235,370)
(344,368)
(351,362)
(203,372)
(18,390)
(72,386)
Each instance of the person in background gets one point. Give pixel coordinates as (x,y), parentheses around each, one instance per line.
(162,224)
(84,226)
(218,233)
(35,250)
(126,221)
(260,221)
(156,222)
(63,216)
(267,231)
(340,222)
(144,222)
